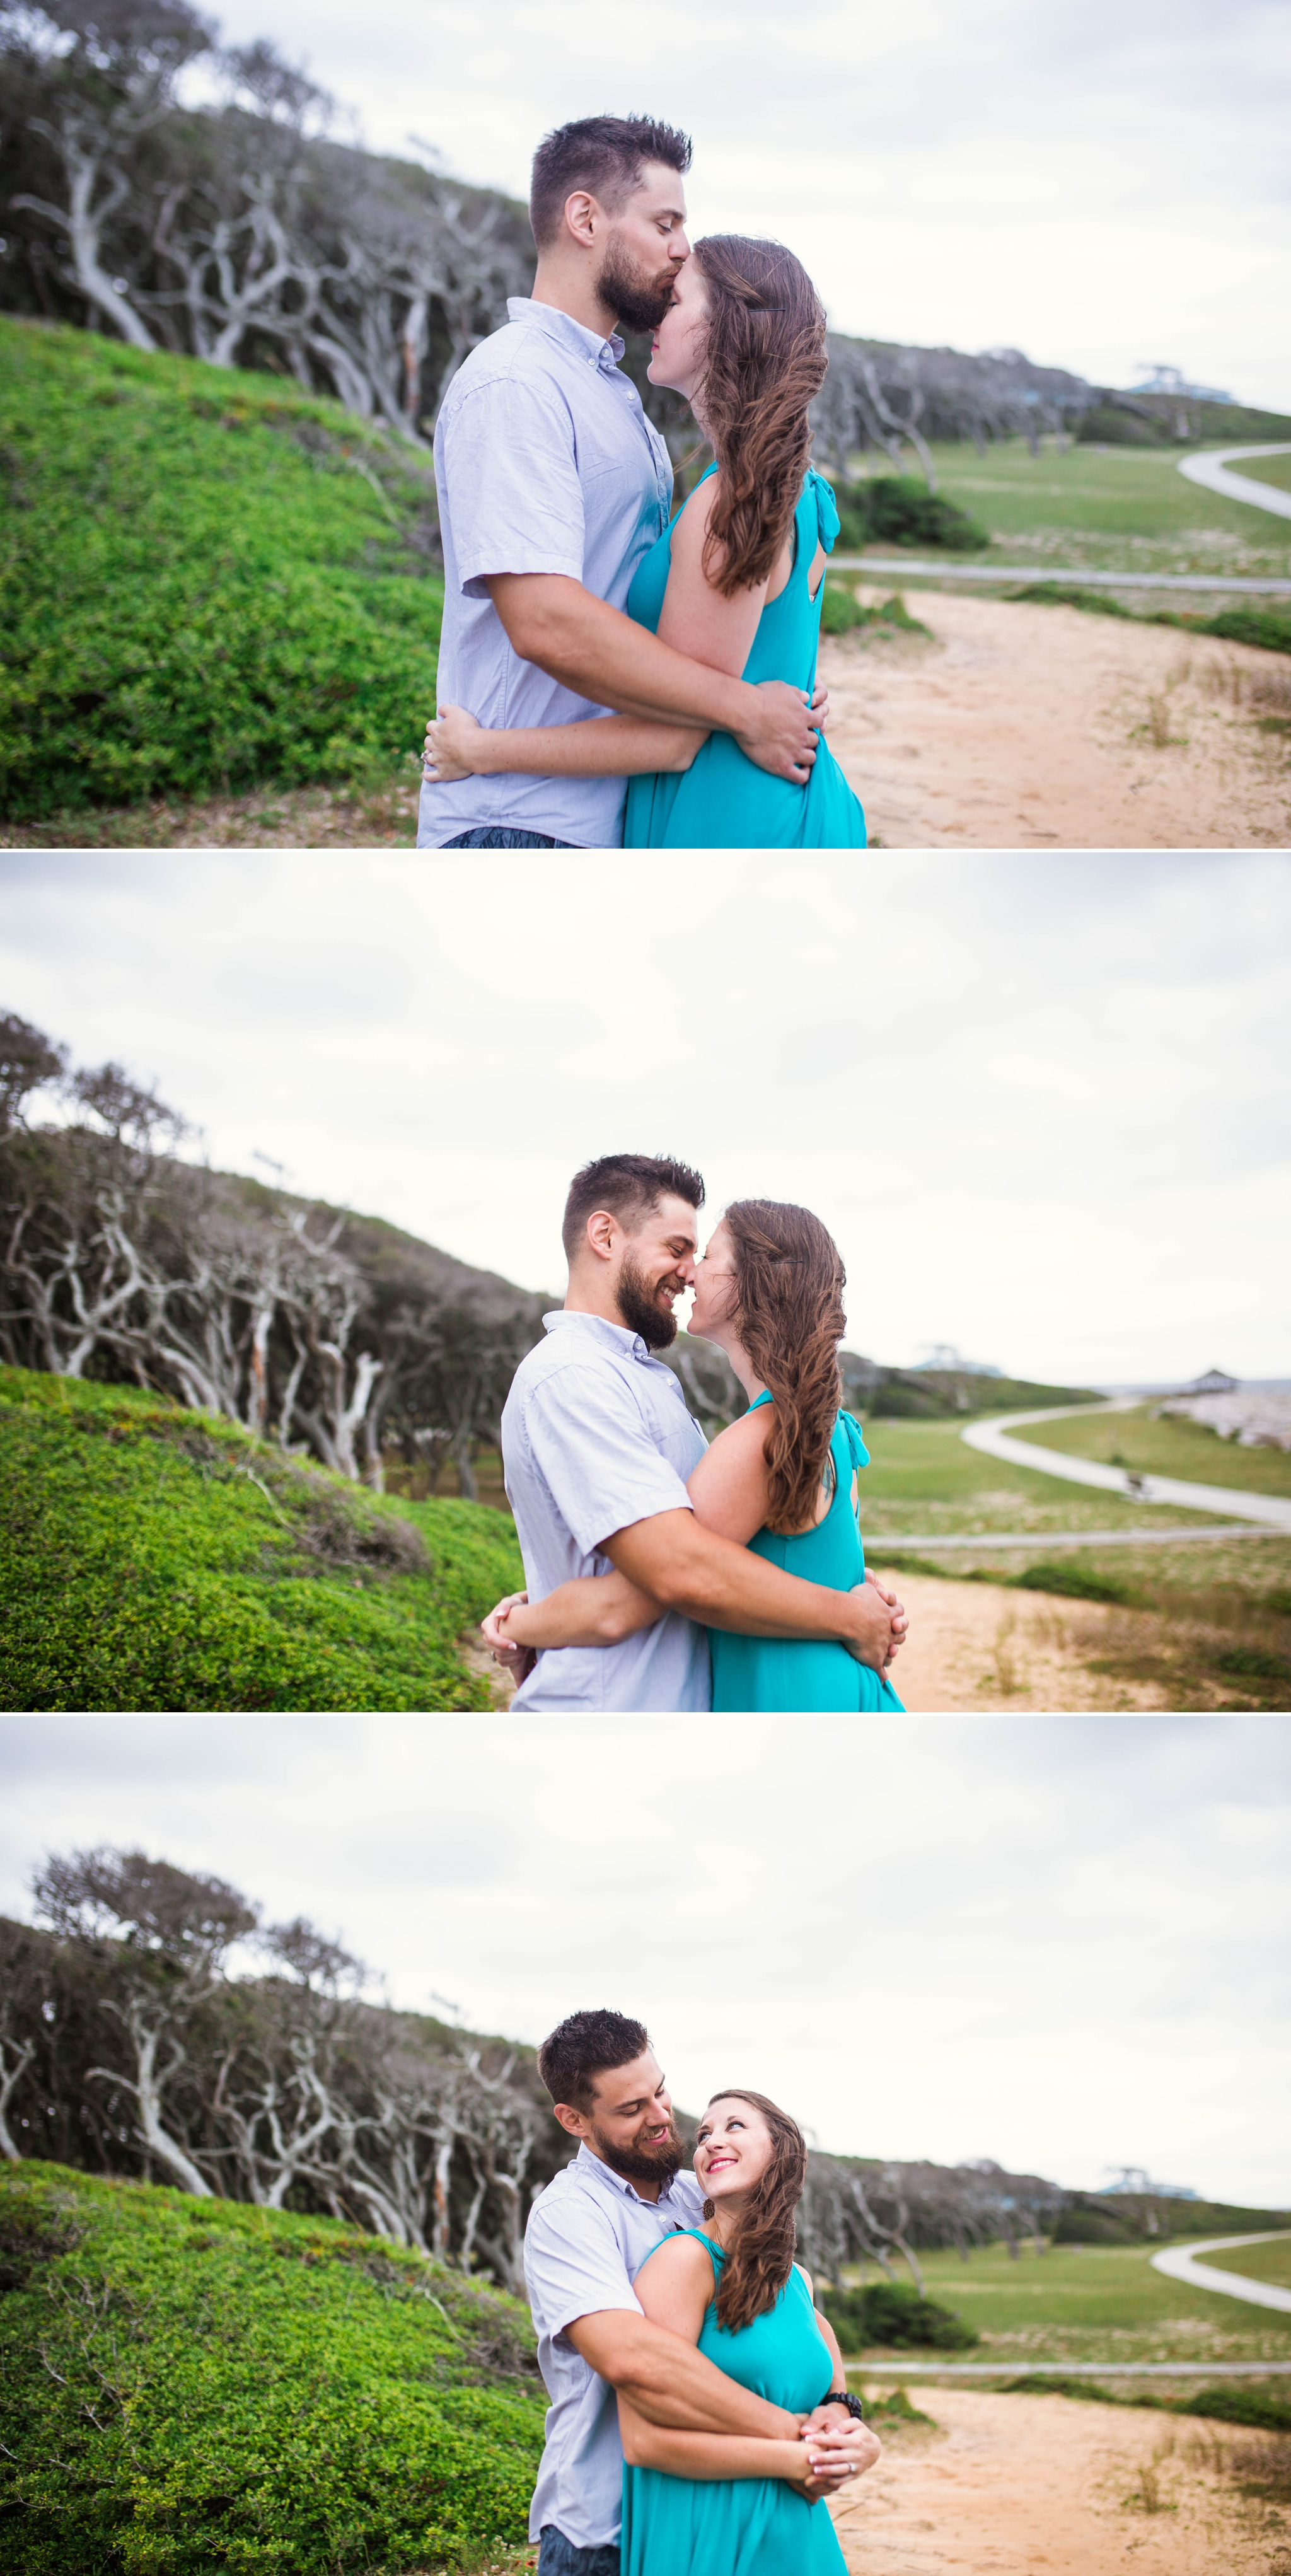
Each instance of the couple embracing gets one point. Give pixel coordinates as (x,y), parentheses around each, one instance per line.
(607,678)
(699,2403)
(664,1573)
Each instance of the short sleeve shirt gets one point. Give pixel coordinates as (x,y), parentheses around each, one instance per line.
(595,1436)
(588,2235)
(545,463)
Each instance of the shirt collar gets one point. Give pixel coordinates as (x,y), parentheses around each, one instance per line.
(620,1337)
(619,2182)
(572,335)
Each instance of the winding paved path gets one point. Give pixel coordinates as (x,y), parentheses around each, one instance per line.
(1211,471)
(1179,2263)
(993,1436)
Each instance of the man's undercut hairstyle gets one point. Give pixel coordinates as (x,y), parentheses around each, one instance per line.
(588,2044)
(627,1186)
(603,154)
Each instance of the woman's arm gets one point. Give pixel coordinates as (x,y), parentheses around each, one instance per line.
(595,747)
(728,1488)
(589,1610)
(711,2455)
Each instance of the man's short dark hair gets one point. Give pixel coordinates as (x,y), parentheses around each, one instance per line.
(585,2046)
(605,155)
(626,1185)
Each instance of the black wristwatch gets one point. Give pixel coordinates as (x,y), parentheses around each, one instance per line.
(844,2397)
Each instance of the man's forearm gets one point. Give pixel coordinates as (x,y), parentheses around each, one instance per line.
(606,657)
(691,1569)
(670,2383)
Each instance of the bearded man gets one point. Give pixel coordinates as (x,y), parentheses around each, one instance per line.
(597,1445)
(553,485)
(588,2235)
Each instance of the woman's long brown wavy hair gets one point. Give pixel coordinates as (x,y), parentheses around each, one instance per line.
(759,2262)
(764,360)
(788,1313)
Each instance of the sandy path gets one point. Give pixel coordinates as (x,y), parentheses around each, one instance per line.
(1037,2486)
(977,1646)
(1032,727)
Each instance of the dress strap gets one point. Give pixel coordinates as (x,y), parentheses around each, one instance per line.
(855,1439)
(697,2232)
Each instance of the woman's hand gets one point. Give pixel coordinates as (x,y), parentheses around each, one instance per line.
(515,1659)
(454,742)
(836,2453)
(900,1616)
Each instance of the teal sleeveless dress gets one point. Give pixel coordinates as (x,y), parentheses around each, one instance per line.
(793,1673)
(740,2526)
(724,801)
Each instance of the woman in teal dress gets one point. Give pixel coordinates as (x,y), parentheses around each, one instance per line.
(783,1479)
(698,2504)
(735,582)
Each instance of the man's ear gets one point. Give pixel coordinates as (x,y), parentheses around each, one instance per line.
(582,215)
(600,1234)
(570,2119)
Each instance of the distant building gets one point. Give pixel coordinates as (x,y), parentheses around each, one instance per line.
(1170,380)
(945,1357)
(1131,2178)
(1215,1382)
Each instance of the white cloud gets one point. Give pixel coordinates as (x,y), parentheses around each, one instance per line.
(1054,1941)
(1097,185)
(1041,1101)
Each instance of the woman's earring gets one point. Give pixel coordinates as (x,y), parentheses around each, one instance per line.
(710,2209)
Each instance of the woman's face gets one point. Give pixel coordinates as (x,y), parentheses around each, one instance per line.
(677,349)
(714,1284)
(734,2150)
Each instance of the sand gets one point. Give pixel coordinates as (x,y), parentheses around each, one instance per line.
(976,1646)
(1031,727)
(1042,2486)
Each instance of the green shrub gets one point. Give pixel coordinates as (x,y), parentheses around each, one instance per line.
(156,1558)
(209,579)
(1108,425)
(1070,594)
(195,2386)
(1270,628)
(1268,2407)
(894,2410)
(1074,1582)
(840,611)
(1052,2383)
(885,2314)
(898,509)
(1256,1663)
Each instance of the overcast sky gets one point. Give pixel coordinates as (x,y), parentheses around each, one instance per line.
(1096,184)
(1055,1941)
(1040,1100)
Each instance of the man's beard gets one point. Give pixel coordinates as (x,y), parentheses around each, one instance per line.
(639,1311)
(640,2164)
(639,299)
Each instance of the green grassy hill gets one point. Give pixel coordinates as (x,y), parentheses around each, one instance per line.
(1166,1447)
(1102,2303)
(1125,509)
(157,1558)
(193,2385)
(207,579)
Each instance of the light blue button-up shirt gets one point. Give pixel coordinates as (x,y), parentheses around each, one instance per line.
(588,2235)
(596,1435)
(545,462)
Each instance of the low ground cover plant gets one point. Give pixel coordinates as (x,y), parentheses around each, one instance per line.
(1263,2405)
(841,612)
(887,2314)
(899,510)
(1269,628)
(152,1557)
(193,2385)
(209,579)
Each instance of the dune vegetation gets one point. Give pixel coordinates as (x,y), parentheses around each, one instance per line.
(155,1557)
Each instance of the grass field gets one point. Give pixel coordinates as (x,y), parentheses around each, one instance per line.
(1257,2262)
(1266,469)
(1101,2303)
(923,1477)
(1124,509)
(152,1558)
(1166,1447)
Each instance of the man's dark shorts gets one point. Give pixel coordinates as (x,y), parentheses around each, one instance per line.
(558,2556)
(496,836)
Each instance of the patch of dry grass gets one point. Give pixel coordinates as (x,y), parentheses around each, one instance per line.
(380,816)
